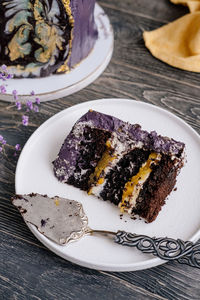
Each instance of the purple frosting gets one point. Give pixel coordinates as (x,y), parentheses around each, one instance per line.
(151,141)
(85,31)
(66,162)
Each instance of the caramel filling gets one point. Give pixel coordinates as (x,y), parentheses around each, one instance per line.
(133,187)
(97,177)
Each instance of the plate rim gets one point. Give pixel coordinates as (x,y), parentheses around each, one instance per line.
(152,262)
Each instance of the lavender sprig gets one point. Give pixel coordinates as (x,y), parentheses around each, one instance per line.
(2,89)
(2,140)
(18,105)
(4,74)
(30,105)
(25,120)
(17,149)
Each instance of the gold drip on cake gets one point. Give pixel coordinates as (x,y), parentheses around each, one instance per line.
(37,6)
(134,185)
(46,36)
(65,67)
(15,48)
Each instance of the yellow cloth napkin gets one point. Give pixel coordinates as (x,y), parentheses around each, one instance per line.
(177,43)
(193,5)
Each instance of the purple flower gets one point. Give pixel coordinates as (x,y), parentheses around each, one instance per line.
(2,89)
(4,68)
(37,100)
(25,120)
(2,140)
(15,96)
(17,147)
(32,93)
(36,108)
(2,76)
(9,76)
(29,104)
(18,104)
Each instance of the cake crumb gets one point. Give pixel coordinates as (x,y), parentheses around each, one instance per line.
(175,189)
(43,223)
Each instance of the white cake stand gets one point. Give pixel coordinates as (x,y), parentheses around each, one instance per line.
(57,86)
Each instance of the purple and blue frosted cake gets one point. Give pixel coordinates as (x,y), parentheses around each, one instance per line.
(119,162)
(43,37)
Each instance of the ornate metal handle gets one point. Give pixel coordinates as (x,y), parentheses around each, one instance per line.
(165,248)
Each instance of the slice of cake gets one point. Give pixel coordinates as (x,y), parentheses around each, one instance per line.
(120,162)
(43,37)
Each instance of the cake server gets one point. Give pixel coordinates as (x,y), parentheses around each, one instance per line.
(63,221)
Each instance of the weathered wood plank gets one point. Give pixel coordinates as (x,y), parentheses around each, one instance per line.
(39,274)
(27,269)
(168,281)
(163,11)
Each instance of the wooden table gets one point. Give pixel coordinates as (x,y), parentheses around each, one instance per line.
(30,271)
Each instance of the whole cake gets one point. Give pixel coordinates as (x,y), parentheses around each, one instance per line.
(42,37)
(120,162)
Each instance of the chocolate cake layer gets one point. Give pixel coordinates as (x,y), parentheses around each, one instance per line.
(155,190)
(116,179)
(42,37)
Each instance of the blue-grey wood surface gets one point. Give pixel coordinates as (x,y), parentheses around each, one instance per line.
(30,271)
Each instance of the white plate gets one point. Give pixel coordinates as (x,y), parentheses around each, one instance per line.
(57,86)
(179,218)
